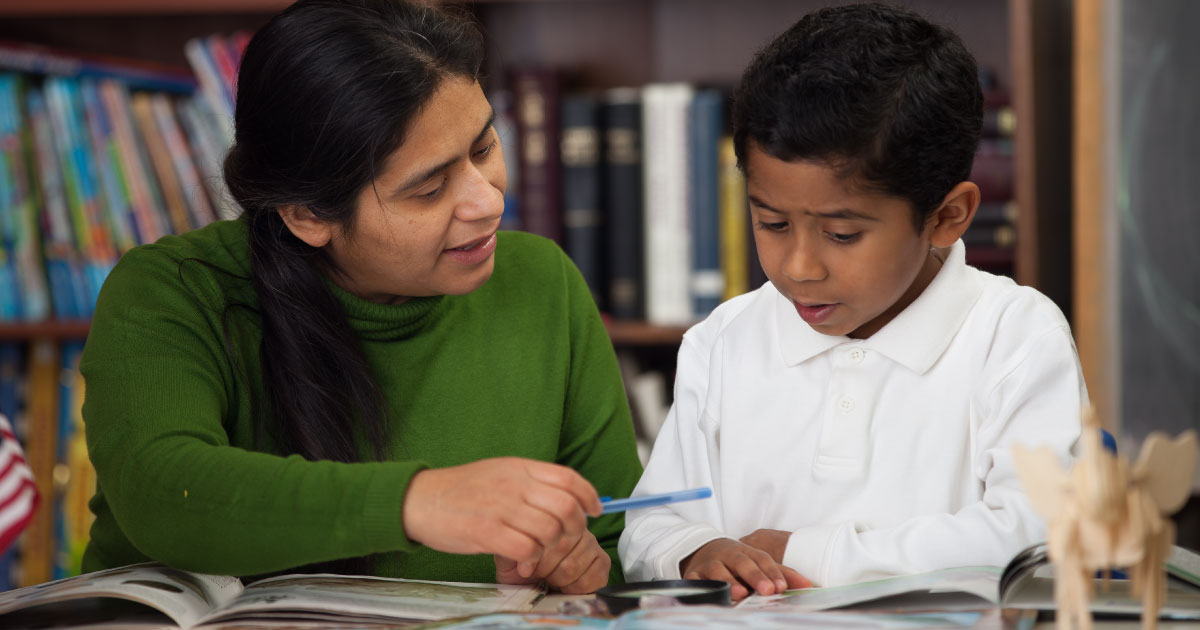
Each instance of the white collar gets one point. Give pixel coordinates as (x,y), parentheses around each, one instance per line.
(915,338)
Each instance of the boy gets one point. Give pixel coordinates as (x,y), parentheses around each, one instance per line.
(855,415)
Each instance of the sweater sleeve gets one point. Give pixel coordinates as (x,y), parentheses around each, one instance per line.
(1035,399)
(685,455)
(597,438)
(160,390)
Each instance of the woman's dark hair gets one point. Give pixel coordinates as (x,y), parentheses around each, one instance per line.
(326,92)
(874,91)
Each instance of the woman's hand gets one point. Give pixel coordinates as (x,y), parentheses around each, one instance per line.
(741,565)
(510,507)
(572,566)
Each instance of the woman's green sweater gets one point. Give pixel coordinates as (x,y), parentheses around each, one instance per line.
(520,367)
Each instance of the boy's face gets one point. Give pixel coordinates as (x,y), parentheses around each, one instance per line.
(849,260)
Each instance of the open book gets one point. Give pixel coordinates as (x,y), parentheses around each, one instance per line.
(192,600)
(1027,582)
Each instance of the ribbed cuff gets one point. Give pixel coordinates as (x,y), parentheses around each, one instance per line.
(383,506)
(808,552)
(667,566)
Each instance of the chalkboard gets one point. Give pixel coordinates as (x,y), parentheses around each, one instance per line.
(1158,215)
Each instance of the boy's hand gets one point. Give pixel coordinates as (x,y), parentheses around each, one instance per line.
(573,565)
(741,565)
(772,541)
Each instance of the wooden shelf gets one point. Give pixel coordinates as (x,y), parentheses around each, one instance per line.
(77,329)
(63,8)
(626,333)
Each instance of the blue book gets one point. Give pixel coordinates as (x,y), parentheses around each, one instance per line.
(583,223)
(58,244)
(705,125)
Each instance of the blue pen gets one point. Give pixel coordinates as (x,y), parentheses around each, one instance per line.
(650,500)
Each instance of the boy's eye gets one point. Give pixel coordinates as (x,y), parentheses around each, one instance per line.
(771,227)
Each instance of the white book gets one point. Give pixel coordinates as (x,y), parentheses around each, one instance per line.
(668,254)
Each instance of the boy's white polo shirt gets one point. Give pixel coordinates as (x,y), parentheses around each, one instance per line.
(882,456)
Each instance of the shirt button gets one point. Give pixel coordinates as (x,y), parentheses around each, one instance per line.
(857,354)
(846,405)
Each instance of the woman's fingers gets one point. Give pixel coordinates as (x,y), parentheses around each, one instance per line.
(569,480)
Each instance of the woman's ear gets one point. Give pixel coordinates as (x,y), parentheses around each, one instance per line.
(305,225)
(953,217)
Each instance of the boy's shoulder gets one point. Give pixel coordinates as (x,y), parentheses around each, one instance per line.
(746,309)
(1004,303)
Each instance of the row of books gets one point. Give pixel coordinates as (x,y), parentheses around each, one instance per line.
(42,391)
(638,184)
(97,155)
(92,164)
(641,188)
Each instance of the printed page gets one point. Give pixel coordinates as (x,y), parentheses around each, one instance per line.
(704,617)
(362,597)
(956,588)
(184,597)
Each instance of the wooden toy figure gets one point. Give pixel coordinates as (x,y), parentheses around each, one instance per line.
(1103,516)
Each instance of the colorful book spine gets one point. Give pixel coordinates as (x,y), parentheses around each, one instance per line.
(200,211)
(160,159)
(208,153)
(38,542)
(706,116)
(75,477)
(119,215)
(666,222)
(63,272)
(12,199)
(623,196)
(735,218)
(84,201)
(582,220)
(149,212)
(536,95)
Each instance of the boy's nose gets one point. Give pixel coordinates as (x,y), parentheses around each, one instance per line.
(804,263)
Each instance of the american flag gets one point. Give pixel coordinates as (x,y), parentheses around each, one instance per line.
(18,495)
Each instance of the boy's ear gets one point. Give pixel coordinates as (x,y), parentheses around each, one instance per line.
(305,225)
(952,218)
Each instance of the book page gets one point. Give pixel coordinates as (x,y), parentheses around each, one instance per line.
(184,597)
(978,585)
(363,597)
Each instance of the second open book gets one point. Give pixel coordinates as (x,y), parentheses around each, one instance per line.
(1027,582)
(190,600)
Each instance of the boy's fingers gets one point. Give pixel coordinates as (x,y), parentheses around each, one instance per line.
(752,575)
(794,579)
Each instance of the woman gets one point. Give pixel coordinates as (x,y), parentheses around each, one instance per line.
(360,371)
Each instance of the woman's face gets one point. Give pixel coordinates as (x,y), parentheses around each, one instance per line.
(427,225)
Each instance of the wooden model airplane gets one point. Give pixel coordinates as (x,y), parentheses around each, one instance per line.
(1103,516)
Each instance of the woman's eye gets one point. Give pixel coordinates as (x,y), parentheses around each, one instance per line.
(433,193)
(485,151)
(772,227)
(844,238)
